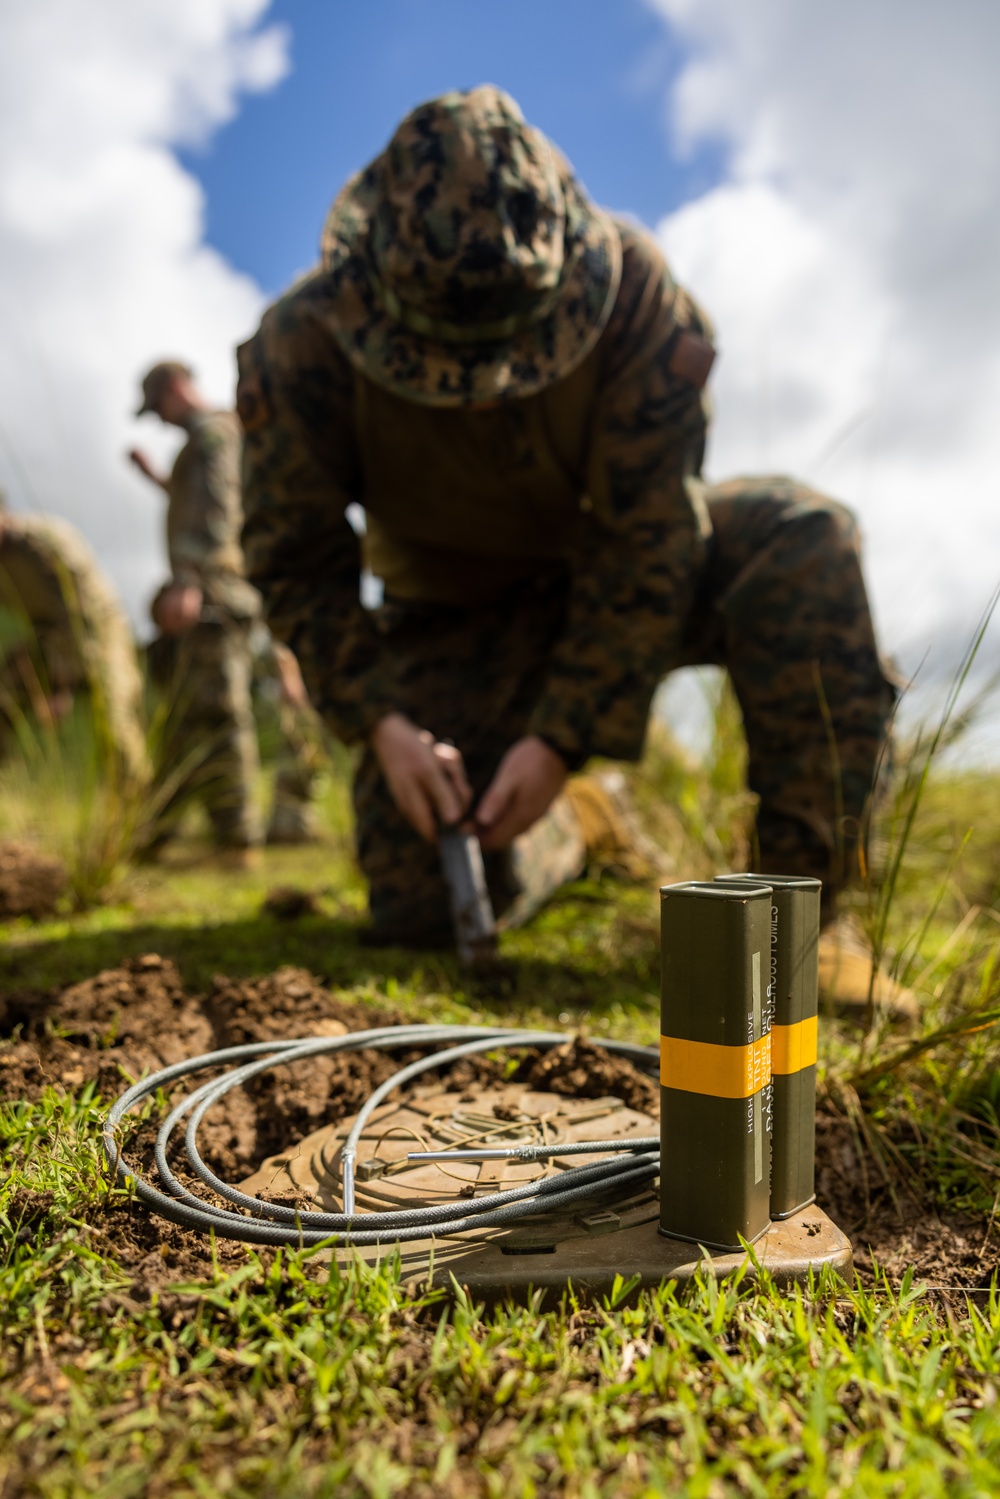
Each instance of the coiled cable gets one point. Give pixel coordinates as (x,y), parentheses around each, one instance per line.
(255,1220)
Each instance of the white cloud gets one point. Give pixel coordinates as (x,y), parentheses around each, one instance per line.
(851,262)
(103,267)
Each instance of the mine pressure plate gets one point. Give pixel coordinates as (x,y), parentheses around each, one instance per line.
(601,1236)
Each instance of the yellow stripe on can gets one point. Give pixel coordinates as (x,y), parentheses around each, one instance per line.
(720,1071)
(793,1047)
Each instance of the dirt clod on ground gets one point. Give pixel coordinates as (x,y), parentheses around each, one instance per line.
(293,1101)
(31,883)
(289,902)
(583,1069)
(107,1030)
(283,1005)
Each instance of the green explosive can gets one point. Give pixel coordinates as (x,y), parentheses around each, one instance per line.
(794,985)
(715,1063)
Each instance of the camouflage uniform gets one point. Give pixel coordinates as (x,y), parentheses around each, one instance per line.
(510,382)
(62,630)
(210,747)
(210,744)
(299,752)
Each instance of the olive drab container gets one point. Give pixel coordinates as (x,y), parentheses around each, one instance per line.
(715,1179)
(794,983)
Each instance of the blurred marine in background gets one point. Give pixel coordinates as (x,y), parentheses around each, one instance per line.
(510,382)
(63,636)
(210,617)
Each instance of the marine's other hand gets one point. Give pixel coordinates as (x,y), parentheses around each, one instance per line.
(528,780)
(142,463)
(426,777)
(293,689)
(177,608)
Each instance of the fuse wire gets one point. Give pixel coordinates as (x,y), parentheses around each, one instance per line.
(256,1220)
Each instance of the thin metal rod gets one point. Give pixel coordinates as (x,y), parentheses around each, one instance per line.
(538,1152)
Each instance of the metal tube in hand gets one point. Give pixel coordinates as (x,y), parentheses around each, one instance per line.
(471,908)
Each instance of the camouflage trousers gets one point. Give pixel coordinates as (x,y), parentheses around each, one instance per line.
(209,753)
(298,770)
(781,605)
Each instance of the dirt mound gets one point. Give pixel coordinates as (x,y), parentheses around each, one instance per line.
(293,1101)
(289,903)
(584,1070)
(107,1030)
(141,1010)
(31,883)
(290,1002)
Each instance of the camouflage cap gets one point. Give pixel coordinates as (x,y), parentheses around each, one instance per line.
(157,381)
(468,264)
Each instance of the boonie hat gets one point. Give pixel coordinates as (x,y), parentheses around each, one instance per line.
(468,265)
(157,381)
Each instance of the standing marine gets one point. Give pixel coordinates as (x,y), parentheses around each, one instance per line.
(211,613)
(509,381)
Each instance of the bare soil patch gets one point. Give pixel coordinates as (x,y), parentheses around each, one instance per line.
(127,1021)
(894,1218)
(124,1022)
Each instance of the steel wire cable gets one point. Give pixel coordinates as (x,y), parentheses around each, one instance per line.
(256,1220)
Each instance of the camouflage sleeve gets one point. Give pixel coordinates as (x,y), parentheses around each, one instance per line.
(83,638)
(300,472)
(644,530)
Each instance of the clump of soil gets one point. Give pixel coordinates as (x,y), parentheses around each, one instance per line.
(31,883)
(289,902)
(141,1010)
(283,1005)
(579,1068)
(292,1101)
(107,1030)
(582,1069)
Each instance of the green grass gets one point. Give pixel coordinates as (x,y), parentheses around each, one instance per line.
(133,1362)
(281,1376)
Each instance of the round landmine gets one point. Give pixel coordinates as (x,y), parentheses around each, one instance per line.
(592,1246)
(484,1116)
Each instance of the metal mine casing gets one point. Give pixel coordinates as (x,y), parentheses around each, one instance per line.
(794,983)
(715,1063)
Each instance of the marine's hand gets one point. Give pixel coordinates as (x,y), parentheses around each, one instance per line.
(293,689)
(530,777)
(142,463)
(426,778)
(177,608)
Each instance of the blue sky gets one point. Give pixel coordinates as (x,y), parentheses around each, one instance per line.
(595,76)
